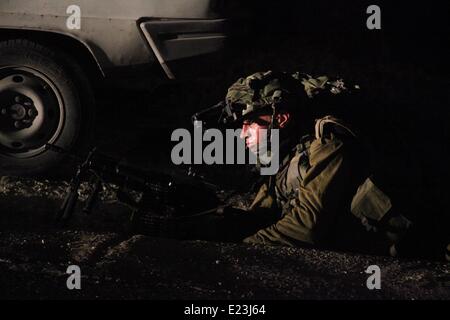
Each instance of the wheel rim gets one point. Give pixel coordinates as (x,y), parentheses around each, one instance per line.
(31,112)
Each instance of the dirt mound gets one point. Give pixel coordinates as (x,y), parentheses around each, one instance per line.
(34,257)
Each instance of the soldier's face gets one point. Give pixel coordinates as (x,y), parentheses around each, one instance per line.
(254,132)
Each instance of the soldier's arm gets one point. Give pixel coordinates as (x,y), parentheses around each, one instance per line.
(238,224)
(329,183)
(264,200)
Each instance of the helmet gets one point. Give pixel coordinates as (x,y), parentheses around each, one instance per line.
(269,92)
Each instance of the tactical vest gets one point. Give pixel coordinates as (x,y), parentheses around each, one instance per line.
(370,204)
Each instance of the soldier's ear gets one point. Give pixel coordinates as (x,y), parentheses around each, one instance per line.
(283,119)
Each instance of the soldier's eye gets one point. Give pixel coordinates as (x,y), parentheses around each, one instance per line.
(261,122)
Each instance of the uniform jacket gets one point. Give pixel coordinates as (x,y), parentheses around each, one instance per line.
(314,188)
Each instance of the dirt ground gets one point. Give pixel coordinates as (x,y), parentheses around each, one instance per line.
(35,255)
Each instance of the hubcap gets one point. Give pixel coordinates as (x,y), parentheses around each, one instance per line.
(31,112)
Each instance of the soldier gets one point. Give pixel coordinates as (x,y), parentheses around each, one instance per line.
(323,177)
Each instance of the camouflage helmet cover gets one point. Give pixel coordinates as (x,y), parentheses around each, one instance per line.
(262,92)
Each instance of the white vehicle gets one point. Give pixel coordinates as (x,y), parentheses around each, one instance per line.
(51,51)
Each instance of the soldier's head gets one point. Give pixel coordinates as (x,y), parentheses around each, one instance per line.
(287,102)
(263,102)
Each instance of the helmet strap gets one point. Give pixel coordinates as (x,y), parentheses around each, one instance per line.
(269,131)
(269,136)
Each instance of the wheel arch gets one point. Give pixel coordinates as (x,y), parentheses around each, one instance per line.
(75,48)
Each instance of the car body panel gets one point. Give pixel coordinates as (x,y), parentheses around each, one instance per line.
(112,30)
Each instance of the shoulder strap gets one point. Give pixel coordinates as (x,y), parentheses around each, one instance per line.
(329,124)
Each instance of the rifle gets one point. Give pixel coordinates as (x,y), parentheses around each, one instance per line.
(162,198)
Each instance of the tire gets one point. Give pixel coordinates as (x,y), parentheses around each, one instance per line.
(45,97)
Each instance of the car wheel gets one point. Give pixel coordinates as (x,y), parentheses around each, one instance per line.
(45,98)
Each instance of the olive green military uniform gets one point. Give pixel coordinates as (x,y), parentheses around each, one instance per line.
(314,186)
(323,194)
